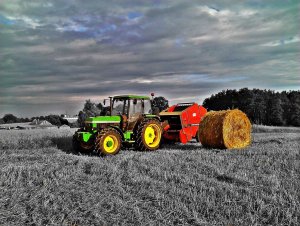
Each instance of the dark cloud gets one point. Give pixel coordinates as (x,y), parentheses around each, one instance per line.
(55,54)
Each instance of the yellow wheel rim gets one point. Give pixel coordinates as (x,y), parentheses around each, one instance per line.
(110,144)
(152,135)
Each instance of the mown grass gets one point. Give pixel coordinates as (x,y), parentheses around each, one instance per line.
(43,183)
(274,129)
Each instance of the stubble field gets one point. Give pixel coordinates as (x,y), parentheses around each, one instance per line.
(43,183)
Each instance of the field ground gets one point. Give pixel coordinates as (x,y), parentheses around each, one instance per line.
(43,183)
(274,129)
(25,125)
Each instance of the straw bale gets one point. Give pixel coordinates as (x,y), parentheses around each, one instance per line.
(225,129)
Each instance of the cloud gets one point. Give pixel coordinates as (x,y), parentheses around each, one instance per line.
(294,39)
(56,54)
(25,20)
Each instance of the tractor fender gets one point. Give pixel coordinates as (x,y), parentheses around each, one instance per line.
(119,130)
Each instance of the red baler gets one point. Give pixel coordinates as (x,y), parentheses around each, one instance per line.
(181,121)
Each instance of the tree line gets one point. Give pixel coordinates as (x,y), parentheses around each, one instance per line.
(265,107)
(53,119)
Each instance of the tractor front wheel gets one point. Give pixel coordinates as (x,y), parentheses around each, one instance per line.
(108,142)
(81,147)
(148,135)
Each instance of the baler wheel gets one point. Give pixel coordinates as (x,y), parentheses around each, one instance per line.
(108,142)
(148,135)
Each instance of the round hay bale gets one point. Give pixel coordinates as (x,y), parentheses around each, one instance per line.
(225,129)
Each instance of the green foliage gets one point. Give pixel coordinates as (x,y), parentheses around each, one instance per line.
(262,106)
(43,184)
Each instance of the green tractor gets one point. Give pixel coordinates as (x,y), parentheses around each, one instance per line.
(129,121)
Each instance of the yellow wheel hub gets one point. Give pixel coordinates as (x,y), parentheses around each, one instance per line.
(110,144)
(152,135)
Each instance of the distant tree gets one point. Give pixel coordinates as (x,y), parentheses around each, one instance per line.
(275,112)
(24,120)
(81,118)
(105,111)
(88,105)
(256,107)
(295,115)
(159,104)
(10,118)
(286,106)
(99,106)
(246,101)
(42,118)
(53,119)
(63,121)
(91,109)
(1,121)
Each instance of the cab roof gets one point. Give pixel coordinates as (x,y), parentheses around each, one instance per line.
(131,97)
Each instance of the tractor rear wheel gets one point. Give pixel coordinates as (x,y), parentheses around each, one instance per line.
(108,142)
(148,135)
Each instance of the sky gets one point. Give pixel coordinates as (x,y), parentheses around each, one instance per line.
(55,54)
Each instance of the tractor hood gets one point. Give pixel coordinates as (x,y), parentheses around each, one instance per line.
(103,119)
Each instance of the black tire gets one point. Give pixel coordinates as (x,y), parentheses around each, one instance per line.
(79,147)
(145,140)
(108,142)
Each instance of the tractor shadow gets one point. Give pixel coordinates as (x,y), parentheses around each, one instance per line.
(64,144)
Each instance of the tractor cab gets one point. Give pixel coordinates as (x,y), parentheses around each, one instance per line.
(130,105)
(131,108)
